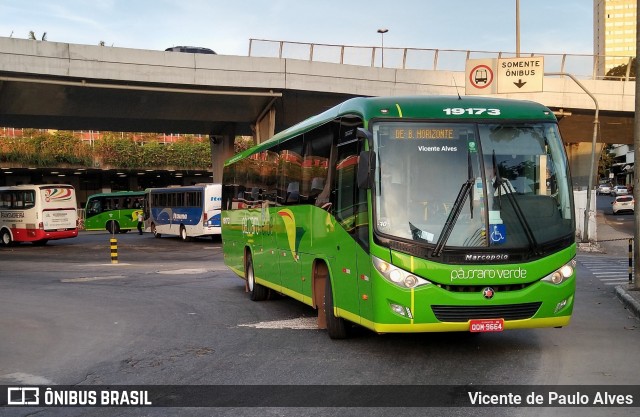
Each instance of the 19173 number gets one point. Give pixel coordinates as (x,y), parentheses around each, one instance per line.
(459,111)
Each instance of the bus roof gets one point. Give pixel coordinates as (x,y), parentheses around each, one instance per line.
(173,188)
(30,186)
(422,107)
(117,194)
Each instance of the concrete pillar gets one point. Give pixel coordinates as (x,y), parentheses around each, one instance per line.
(579,155)
(265,126)
(222,148)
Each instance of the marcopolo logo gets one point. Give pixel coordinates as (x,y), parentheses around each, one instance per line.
(23,396)
(486,257)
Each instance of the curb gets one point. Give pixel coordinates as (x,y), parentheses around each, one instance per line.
(631,303)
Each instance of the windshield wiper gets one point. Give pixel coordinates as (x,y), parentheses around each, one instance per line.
(465,190)
(499,185)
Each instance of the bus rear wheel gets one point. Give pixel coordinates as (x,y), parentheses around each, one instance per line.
(5,238)
(183,234)
(337,328)
(257,292)
(113,227)
(155,231)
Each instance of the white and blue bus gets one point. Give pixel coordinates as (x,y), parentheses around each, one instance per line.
(189,211)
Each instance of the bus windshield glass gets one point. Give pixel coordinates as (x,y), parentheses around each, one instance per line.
(472,185)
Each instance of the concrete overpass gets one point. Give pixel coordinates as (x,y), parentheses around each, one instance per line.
(82,87)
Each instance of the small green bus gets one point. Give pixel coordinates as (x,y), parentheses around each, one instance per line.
(409,214)
(116,212)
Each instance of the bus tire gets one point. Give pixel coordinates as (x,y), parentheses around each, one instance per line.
(5,237)
(155,231)
(337,328)
(113,227)
(257,292)
(183,234)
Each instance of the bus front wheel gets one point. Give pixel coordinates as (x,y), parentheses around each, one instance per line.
(257,292)
(337,328)
(5,236)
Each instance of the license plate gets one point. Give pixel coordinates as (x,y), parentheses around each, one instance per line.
(486,325)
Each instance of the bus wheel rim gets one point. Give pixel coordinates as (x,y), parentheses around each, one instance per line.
(250,279)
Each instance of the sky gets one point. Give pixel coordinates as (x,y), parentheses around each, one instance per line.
(546,26)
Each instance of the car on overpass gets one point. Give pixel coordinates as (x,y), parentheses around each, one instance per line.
(191,50)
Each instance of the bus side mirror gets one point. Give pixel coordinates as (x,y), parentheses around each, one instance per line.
(366,167)
(366,161)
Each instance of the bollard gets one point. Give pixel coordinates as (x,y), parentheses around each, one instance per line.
(114,250)
(630,259)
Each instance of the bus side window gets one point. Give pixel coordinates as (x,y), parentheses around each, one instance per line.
(5,200)
(29,199)
(290,171)
(293,193)
(315,164)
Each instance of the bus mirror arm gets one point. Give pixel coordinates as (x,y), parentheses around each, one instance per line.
(362,133)
(366,166)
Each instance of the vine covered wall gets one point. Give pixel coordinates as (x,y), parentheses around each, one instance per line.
(112,150)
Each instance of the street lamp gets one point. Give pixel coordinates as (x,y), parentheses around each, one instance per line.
(382,32)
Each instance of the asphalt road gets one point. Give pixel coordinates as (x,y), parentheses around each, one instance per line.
(170,313)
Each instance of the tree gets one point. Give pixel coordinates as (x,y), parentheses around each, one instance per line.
(620,72)
(606,160)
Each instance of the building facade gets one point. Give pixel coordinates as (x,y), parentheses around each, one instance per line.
(614,32)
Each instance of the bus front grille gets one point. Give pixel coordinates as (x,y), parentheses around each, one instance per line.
(466,313)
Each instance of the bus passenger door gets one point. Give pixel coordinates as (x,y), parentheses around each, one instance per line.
(350,208)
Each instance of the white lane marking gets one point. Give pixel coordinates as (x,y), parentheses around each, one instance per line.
(89,279)
(186,271)
(300,323)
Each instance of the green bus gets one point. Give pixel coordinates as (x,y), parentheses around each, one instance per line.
(409,214)
(116,212)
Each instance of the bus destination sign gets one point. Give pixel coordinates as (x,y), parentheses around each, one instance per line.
(422,133)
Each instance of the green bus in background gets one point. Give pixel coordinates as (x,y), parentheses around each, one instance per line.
(409,214)
(115,212)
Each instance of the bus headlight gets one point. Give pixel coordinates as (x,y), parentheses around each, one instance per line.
(561,274)
(396,275)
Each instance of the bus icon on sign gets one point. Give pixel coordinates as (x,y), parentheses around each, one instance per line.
(23,396)
(480,76)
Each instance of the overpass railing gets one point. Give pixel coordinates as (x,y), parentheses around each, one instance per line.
(580,65)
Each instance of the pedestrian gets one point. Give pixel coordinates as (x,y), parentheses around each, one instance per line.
(140,221)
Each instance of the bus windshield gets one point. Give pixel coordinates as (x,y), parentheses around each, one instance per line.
(516,196)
